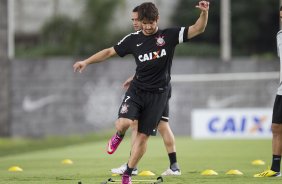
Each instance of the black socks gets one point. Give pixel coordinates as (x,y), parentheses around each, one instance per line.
(172,157)
(276,160)
(120,135)
(173,162)
(175,167)
(128,170)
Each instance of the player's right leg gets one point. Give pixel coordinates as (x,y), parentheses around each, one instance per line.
(120,170)
(128,112)
(122,124)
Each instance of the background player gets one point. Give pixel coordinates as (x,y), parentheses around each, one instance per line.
(276,125)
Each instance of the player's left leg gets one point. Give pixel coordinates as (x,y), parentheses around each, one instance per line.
(153,107)
(169,142)
(276,146)
(137,151)
(276,128)
(276,151)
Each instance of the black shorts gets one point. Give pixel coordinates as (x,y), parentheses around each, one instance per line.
(277,110)
(164,118)
(165,115)
(146,107)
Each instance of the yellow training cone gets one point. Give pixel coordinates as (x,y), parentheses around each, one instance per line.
(258,162)
(234,172)
(67,161)
(146,173)
(209,172)
(15,169)
(115,174)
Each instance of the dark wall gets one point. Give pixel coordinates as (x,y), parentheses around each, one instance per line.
(4,71)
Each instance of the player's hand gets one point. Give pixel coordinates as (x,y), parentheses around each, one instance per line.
(79,66)
(203,5)
(126,84)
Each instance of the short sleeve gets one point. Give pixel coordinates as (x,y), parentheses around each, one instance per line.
(178,34)
(183,35)
(123,47)
(279,43)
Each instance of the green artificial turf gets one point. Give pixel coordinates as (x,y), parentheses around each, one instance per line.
(91,163)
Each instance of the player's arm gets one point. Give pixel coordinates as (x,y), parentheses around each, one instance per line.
(98,57)
(126,84)
(201,23)
(279,44)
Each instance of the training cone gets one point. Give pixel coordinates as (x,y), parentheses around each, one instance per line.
(146,173)
(234,172)
(209,173)
(67,161)
(15,169)
(258,162)
(115,174)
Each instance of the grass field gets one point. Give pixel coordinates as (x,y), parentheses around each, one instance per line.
(92,164)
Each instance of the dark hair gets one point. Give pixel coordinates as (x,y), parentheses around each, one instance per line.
(135,9)
(148,11)
(280,8)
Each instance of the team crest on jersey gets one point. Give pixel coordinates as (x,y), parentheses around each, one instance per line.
(160,41)
(124,109)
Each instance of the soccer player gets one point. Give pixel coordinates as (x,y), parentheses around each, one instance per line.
(145,100)
(276,125)
(163,126)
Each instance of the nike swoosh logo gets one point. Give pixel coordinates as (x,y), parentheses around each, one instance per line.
(32,105)
(109,148)
(139,44)
(212,102)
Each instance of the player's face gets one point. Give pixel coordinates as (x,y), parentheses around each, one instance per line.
(135,22)
(149,27)
(281,17)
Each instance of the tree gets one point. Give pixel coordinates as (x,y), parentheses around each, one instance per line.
(254,24)
(96,34)
(63,36)
(187,14)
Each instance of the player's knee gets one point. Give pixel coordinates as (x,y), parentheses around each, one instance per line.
(134,125)
(143,137)
(163,127)
(276,129)
(122,124)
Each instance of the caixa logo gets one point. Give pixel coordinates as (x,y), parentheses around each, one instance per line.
(243,124)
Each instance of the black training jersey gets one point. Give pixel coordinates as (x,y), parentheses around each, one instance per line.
(153,55)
